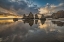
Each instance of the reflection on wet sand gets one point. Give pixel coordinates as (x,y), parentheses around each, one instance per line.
(59,23)
(15,19)
(36,21)
(31,21)
(14,32)
(42,22)
(21,32)
(6,21)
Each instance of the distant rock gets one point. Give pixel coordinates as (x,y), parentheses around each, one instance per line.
(15,19)
(42,17)
(36,16)
(59,14)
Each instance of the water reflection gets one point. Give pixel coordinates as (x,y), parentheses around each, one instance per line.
(31,21)
(31,31)
(14,32)
(59,23)
(43,21)
(15,19)
(36,21)
(6,21)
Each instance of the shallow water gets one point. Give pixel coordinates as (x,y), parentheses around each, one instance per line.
(31,31)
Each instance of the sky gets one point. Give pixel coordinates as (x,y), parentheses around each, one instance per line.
(46,7)
(44,2)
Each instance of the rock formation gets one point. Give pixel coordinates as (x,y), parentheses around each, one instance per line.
(59,14)
(31,16)
(36,16)
(42,17)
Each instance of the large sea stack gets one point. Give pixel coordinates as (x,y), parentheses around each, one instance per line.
(42,17)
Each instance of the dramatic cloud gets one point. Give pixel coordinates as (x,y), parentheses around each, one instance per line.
(19,6)
(44,10)
(26,6)
(51,8)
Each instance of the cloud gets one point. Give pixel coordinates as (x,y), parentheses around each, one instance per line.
(7,4)
(62,1)
(51,8)
(26,6)
(27,10)
(16,5)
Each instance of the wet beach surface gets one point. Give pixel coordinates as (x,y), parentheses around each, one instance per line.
(31,31)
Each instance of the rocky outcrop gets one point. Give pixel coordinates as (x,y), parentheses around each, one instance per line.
(42,17)
(59,14)
(59,23)
(36,16)
(15,19)
(30,16)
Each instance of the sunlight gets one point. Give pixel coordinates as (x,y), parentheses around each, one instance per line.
(11,17)
(43,10)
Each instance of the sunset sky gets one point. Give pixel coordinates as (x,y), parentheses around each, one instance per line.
(46,7)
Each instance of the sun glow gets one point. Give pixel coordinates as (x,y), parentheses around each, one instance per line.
(10,16)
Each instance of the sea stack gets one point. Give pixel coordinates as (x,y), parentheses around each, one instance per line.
(42,17)
(36,16)
(31,16)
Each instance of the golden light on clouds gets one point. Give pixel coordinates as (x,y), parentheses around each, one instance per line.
(11,17)
(43,11)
